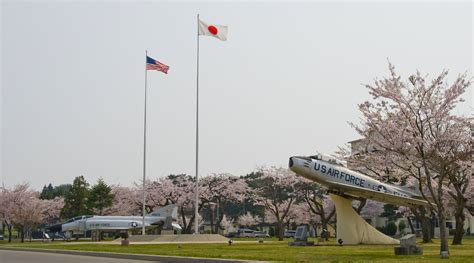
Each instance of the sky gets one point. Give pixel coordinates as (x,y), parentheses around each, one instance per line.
(287,81)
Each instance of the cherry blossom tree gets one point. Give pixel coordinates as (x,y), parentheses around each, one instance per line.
(124,203)
(179,190)
(470,198)
(219,189)
(226,223)
(460,187)
(275,191)
(6,207)
(412,126)
(317,202)
(299,214)
(367,159)
(153,195)
(21,208)
(52,211)
(371,209)
(248,220)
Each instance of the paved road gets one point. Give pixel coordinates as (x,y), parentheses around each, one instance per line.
(7,256)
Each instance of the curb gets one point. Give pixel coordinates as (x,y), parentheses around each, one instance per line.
(126,256)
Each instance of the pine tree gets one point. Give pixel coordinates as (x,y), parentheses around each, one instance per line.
(62,190)
(101,196)
(77,199)
(47,193)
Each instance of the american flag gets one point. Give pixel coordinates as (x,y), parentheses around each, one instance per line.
(152,64)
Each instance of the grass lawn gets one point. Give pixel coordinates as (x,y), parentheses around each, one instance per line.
(275,251)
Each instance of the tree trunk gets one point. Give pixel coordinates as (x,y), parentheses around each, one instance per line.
(411,225)
(212,220)
(9,233)
(22,234)
(218,222)
(359,208)
(191,222)
(443,233)
(190,225)
(459,231)
(420,216)
(425,229)
(315,228)
(432,224)
(183,218)
(280,230)
(324,230)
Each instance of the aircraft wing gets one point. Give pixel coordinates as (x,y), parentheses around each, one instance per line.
(375,195)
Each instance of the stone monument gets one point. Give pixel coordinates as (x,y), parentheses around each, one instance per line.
(301,237)
(408,246)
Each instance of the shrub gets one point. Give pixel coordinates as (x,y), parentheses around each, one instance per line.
(401,226)
(381,229)
(391,228)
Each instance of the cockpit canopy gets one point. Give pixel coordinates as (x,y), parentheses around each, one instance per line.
(328,158)
(78,218)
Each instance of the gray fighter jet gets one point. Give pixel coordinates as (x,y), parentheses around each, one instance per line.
(340,180)
(165,216)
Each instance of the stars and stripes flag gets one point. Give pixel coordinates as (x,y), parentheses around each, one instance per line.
(152,64)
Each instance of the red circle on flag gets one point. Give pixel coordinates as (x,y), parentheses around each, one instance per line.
(213,30)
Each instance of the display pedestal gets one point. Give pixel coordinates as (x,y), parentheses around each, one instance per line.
(352,229)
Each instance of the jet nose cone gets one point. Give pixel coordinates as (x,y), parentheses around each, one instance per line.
(290,163)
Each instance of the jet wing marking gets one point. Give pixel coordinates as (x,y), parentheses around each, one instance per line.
(375,195)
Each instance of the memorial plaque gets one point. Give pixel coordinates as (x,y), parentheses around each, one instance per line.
(301,237)
(301,233)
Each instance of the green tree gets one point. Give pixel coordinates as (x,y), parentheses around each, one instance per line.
(61,190)
(390,212)
(77,199)
(401,227)
(101,196)
(47,193)
(391,228)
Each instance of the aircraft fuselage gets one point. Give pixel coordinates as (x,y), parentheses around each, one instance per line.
(339,178)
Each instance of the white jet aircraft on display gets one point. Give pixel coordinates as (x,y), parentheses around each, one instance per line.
(342,181)
(162,216)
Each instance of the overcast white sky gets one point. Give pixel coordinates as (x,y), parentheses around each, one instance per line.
(285,83)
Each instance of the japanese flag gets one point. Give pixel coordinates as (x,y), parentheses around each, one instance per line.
(217,31)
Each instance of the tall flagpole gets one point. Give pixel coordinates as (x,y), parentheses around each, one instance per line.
(196,214)
(144,150)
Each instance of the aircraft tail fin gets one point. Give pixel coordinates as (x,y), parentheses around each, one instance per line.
(167,211)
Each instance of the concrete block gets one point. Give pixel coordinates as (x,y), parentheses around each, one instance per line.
(408,240)
(401,250)
(412,250)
